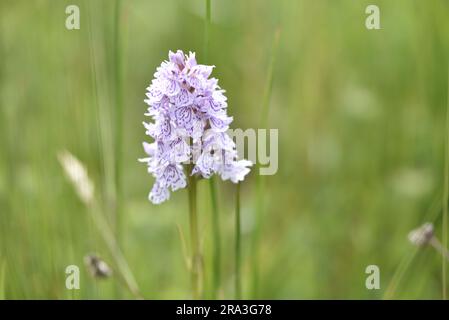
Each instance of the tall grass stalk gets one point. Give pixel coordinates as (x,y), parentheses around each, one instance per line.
(260,187)
(399,274)
(196,259)
(118,123)
(94,75)
(96,111)
(216,234)
(110,173)
(445,197)
(118,130)
(238,246)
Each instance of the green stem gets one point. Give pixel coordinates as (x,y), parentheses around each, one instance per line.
(118,122)
(217,240)
(238,285)
(117,201)
(216,235)
(195,266)
(445,198)
(399,274)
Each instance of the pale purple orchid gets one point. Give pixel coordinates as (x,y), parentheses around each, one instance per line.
(190,123)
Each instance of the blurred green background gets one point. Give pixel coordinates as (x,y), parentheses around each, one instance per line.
(361,118)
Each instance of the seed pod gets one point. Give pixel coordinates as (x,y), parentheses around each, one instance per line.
(96,267)
(422,235)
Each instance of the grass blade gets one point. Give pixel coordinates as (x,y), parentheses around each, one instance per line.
(216,233)
(118,122)
(445,197)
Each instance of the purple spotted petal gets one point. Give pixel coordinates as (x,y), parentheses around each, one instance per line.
(172,87)
(183,98)
(173,177)
(184,116)
(220,123)
(158,194)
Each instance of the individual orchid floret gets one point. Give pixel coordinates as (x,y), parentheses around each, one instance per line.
(189,124)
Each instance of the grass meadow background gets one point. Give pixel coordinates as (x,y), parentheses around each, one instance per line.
(362,126)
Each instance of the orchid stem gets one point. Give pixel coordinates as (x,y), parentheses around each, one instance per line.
(216,234)
(217,240)
(238,285)
(195,267)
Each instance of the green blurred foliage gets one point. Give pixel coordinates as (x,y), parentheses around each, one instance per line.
(361,119)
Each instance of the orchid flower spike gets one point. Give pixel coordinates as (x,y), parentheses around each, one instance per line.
(189,126)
